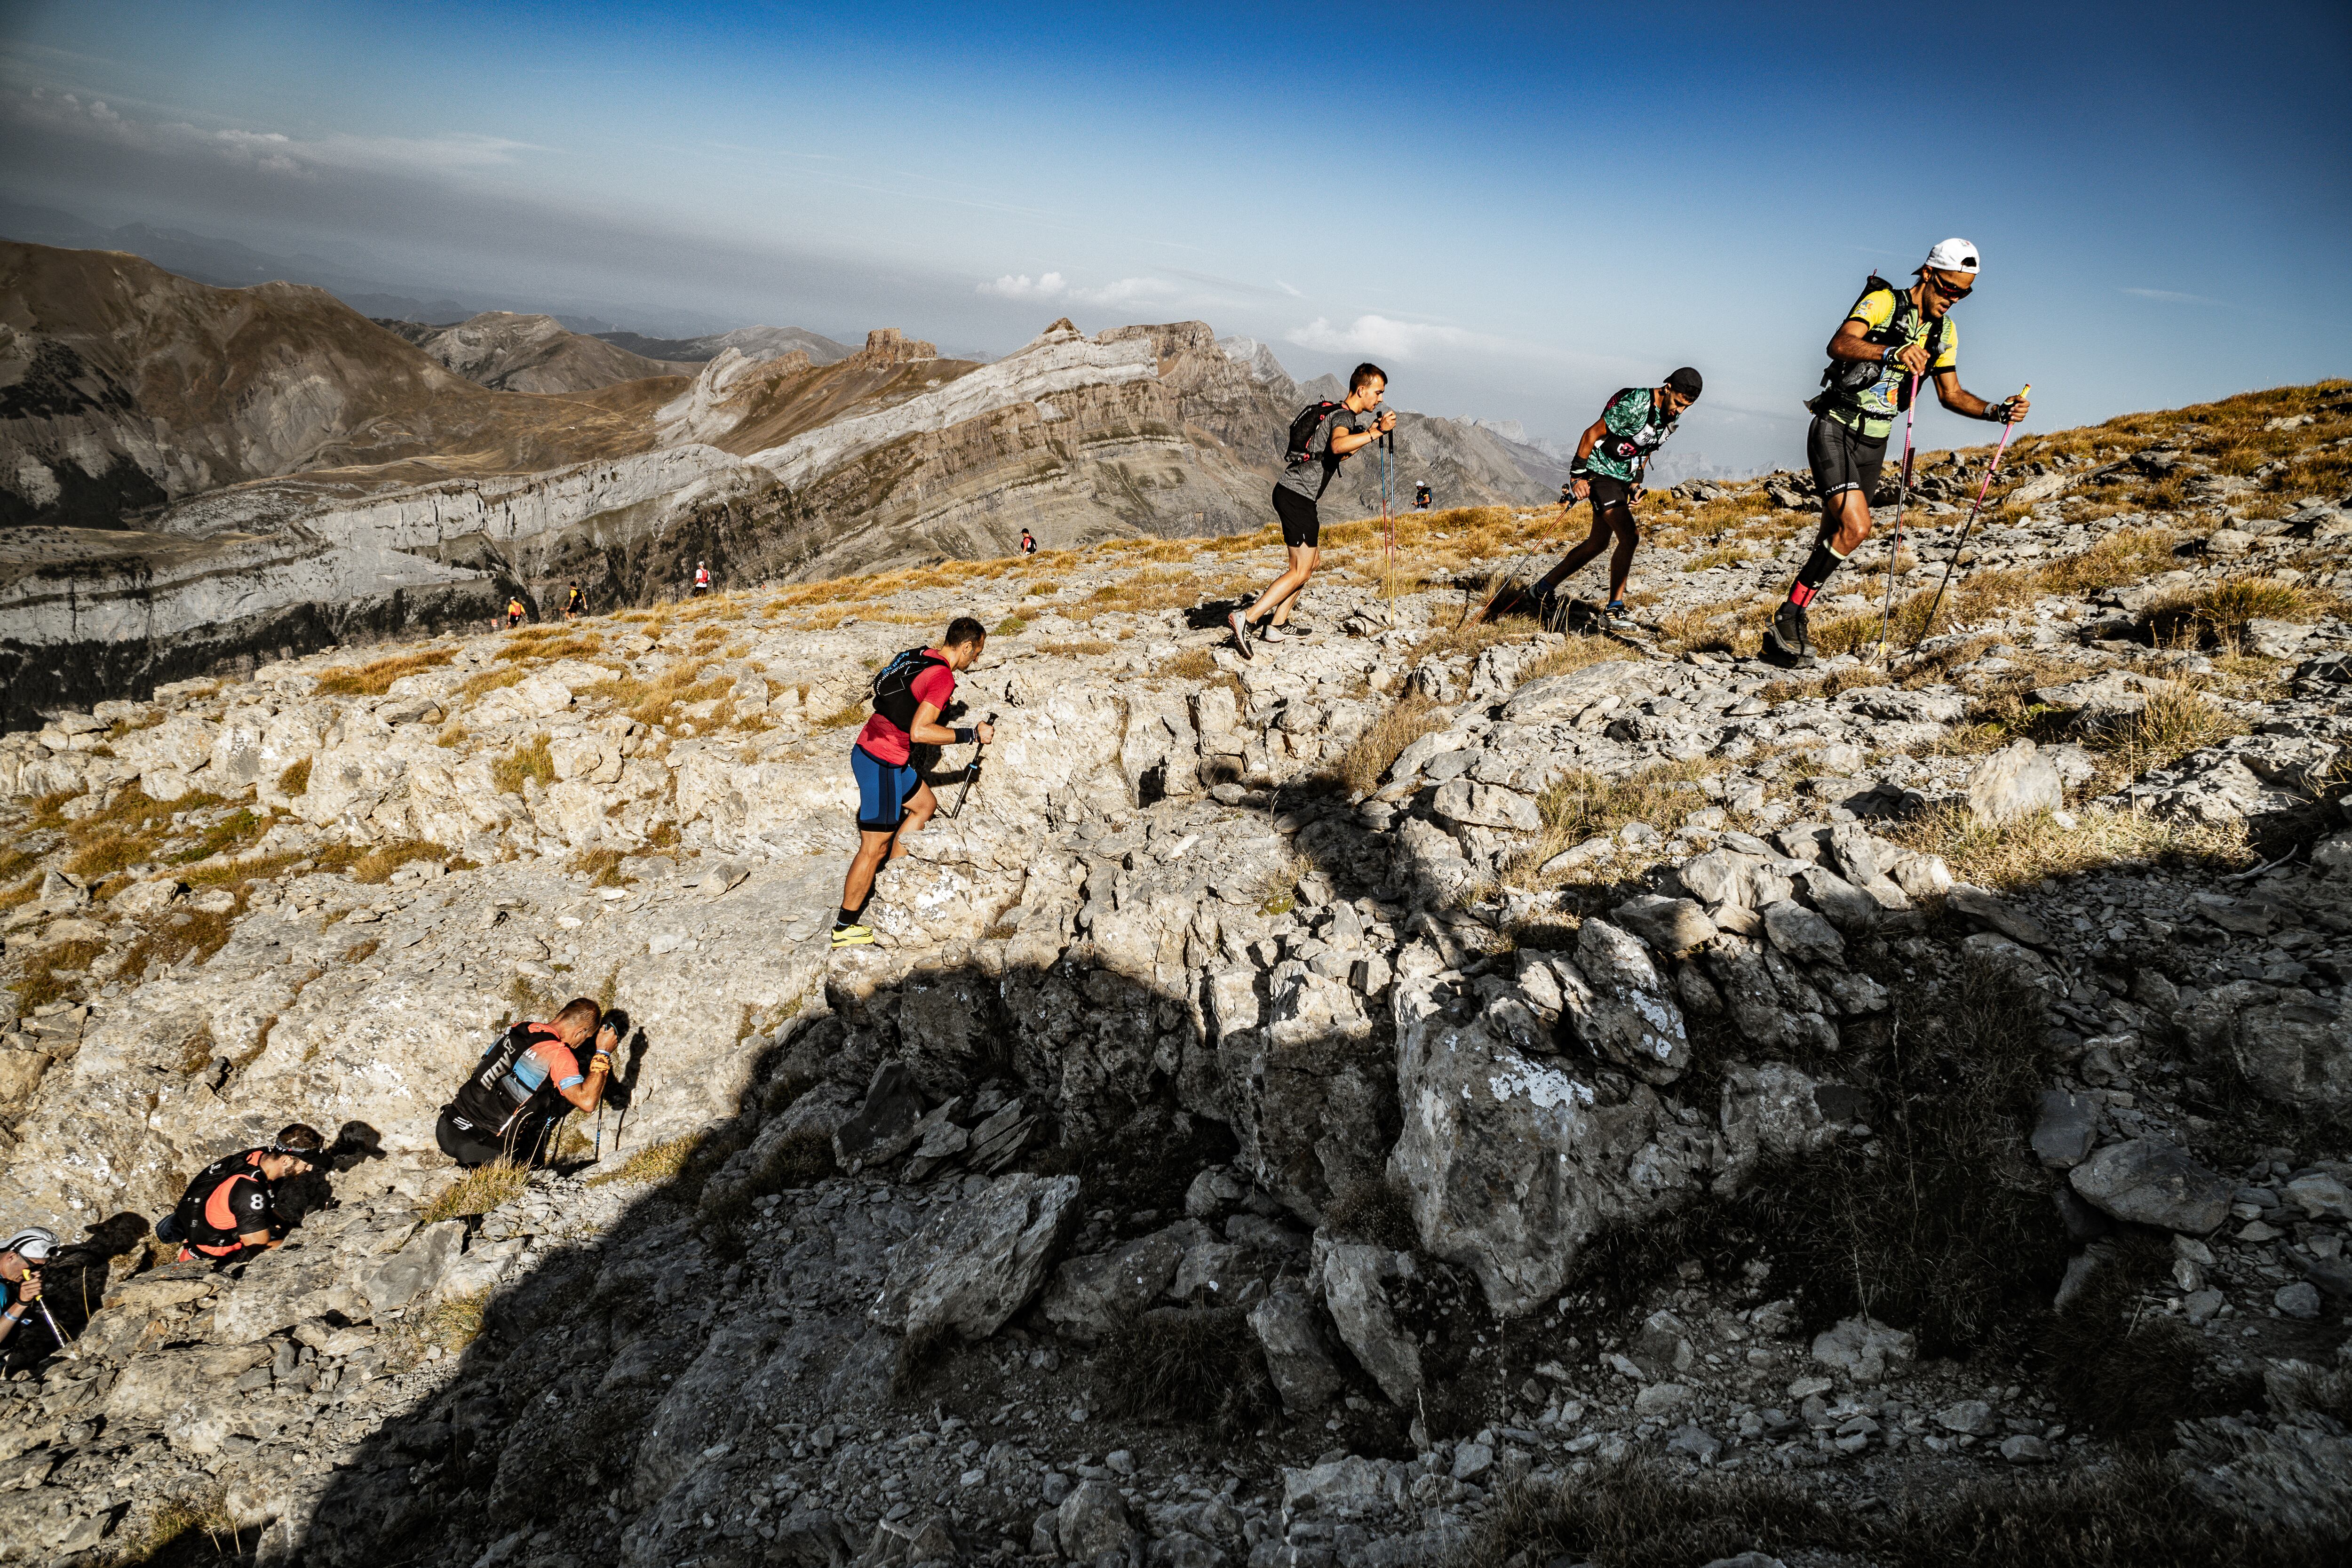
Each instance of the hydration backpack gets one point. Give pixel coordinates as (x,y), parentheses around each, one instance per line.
(1847,379)
(187,1219)
(496,1097)
(893,688)
(1302,427)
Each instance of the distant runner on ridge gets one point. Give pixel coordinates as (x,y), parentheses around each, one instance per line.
(1322,436)
(1890,338)
(1611,459)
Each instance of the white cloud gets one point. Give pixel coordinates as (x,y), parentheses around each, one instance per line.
(1403,341)
(1023,287)
(1053,285)
(272,152)
(1126,290)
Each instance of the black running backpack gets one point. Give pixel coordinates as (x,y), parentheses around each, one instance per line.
(1308,420)
(1847,379)
(893,688)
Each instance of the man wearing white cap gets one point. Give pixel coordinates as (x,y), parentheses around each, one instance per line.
(1891,340)
(21,1262)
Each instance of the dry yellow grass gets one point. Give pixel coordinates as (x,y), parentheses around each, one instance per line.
(478,1190)
(487,681)
(654,1163)
(2217,614)
(376,678)
(2019,854)
(651,700)
(1359,768)
(530,760)
(1583,805)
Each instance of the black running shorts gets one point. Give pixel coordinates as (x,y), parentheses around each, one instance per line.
(1843,458)
(1607,492)
(1300,526)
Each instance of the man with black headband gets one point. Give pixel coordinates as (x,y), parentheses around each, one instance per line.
(1891,340)
(227,1215)
(1612,456)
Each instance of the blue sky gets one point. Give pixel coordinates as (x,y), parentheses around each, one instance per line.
(1516,209)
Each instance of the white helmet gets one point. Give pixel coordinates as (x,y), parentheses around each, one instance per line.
(34,1243)
(1953,255)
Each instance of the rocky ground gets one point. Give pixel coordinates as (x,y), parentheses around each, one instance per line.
(1429,1089)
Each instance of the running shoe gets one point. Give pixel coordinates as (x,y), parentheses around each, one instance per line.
(1617,611)
(1272,633)
(852,936)
(1788,635)
(1240,623)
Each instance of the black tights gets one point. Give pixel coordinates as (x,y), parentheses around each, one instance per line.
(1610,518)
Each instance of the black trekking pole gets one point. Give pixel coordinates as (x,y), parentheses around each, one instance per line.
(970,772)
(1983,490)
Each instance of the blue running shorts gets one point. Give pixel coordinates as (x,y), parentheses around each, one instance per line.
(883,789)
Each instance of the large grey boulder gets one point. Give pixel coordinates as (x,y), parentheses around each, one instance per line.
(2298,1052)
(1512,1164)
(1675,927)
(1356,1296)
(2066,1126)
(1865,1350)
(1802,934)
(1290,1331)
(979,1261)
(1092,1296)
(1618,1005)
(1778,1111)
(2014,783)
(2145,1181)
(1092,1522)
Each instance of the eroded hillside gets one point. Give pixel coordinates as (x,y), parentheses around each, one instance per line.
(1428,1088)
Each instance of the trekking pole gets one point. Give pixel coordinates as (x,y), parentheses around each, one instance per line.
(58,1333)
(970,772)
(1902,495)
(1983,490)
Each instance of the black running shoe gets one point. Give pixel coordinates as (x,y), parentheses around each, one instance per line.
(1788,635)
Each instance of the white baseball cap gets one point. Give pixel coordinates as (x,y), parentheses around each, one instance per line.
(1953,255)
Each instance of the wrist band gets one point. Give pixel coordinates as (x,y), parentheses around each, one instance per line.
(965,735)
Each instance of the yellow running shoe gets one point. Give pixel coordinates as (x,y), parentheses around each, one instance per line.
(852,936)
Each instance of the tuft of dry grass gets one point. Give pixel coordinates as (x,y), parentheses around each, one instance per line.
(1370,754)
(478,1190)
(376,678)
(1199,1365)
(2217,615)
(164,1535)
(601,866)
(2019,854)
(528,760)
(2126,556)
(296,779)
(489,681)
(52,973)
(1583,805)
(654,1163)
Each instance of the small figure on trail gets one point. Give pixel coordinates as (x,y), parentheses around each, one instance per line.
(1421,496)
(1322,436)
(526,1084)
(701,578)
(1611,459)
(575,603)
(21,1262)
(515,612)
(1891,340)
(1028,543)
(909,694)
(228,1214)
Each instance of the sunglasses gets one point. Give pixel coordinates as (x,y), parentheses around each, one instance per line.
(1949,290)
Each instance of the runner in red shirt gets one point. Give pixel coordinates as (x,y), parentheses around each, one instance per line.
(892,798)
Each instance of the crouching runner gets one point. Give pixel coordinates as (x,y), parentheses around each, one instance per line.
(229,1212)
(909,694)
